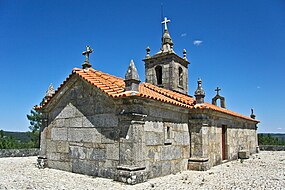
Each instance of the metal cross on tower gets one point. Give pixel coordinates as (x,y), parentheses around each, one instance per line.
(217,90)
(165,23)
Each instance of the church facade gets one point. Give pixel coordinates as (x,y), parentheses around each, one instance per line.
(101,125)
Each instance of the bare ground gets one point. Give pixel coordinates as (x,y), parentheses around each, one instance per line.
(265,170)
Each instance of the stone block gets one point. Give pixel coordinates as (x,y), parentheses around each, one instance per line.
(51,146)
(152,138)
(104,120)
(154,127)
(87,122)
(170,152)
(186,138)
(178,138)
(153,152)
(53,156)
(85,167)
(166,168)
(175,166)
(243,154)
(64,157)
(112,151)
(109,135)
(198,164)
(67,112)
(186,152)
(131,175)
(84,135)
(65,166)
(62,146)
(85,110)
(59,134)
(75,122)
(126,154)
(77,152)
(98,154)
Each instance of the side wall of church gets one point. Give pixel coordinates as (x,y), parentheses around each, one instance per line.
(82,134)
(239,135)
(166,140)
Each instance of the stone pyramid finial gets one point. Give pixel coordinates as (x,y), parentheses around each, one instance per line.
(86,63)
(199,93)
(132,79)
(50,91)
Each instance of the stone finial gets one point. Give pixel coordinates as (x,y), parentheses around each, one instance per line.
(86,63)
(252,114)
(50,91)
(199,93)
(184,54)
(167,44)
(132,79)
(147,52)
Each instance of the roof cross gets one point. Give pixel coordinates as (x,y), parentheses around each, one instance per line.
(87,52)
(217,90)
(165,23)
(86,63)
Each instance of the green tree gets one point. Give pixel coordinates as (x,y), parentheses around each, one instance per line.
(35,119)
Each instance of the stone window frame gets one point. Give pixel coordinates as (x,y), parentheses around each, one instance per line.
(180,77)
(168,135)
(158,74)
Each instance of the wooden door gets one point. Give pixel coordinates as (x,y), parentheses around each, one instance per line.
(224,131)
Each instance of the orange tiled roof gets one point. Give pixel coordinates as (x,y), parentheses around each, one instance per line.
(223,110)
(114,87)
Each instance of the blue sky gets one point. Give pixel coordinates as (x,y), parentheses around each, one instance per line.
(241,50)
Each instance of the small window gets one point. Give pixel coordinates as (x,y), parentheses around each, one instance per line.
(158,72)
(180,76)
(167,134)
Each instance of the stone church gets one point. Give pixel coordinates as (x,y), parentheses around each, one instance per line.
(102,125)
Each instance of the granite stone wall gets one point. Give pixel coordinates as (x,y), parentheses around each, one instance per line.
(19,152)
(133,139)
(166,140)
(272,148)
(206,138)
(82,134)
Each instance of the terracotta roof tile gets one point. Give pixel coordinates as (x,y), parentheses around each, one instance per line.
(223,110)
(114,87)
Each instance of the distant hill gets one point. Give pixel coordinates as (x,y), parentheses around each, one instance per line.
(20,136)
(280,136)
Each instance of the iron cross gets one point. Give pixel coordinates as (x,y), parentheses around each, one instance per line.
(165,23)
(217,89)
(87,52)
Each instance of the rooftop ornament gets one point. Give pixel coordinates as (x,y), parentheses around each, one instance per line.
(86,63)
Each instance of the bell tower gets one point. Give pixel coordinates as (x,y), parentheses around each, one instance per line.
(165,68)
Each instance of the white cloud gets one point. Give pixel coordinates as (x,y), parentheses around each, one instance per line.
(183,34)
(279,128)
(197,42)
(258,87)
